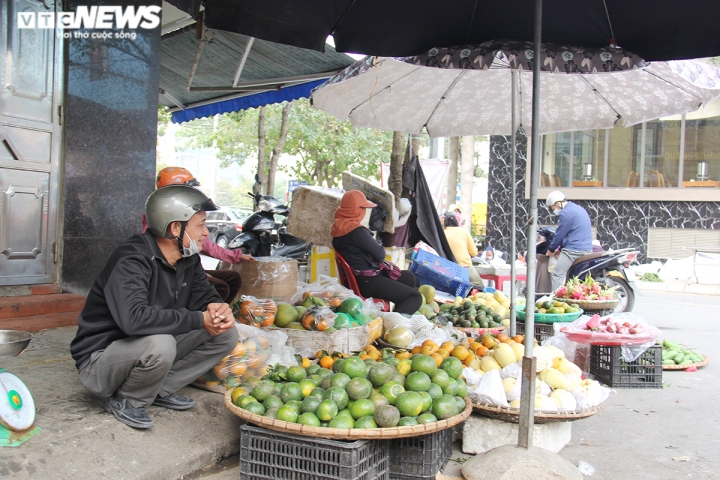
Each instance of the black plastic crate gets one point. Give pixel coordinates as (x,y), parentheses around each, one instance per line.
(266,454)
(608,367)
(543,331)
(420,457)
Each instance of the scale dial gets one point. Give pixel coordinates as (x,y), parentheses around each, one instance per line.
(17,408)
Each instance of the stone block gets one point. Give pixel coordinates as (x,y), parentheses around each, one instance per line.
(481,434)
(513,463)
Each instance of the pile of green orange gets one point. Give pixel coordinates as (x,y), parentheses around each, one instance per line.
(358,393)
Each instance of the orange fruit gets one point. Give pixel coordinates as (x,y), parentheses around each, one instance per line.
(221,371)
(470,357)
(460,352)
(426,350)
(370,348)
(448,346)
(473,346)
(262,371)
(489,341)
(438,359)
(250,346)
(306,362)
(501,337)
(238,368)
(327,362)
(519,338)
(481,351)
(262,341)
(375,355)
(428,343)
(443,353)
(403,355)
(239,350)
(416,349)
(365,356)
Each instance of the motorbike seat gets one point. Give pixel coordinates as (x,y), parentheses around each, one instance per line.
(347,279)
(589,256)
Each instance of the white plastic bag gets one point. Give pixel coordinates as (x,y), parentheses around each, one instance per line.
(490,390)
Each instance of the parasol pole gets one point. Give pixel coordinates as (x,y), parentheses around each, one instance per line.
(527,399)
(513,199)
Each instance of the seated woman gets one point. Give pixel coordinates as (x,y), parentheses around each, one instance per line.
(363,253)
(463,247)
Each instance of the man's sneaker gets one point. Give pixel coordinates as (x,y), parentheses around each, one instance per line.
(175,402)
(127,414)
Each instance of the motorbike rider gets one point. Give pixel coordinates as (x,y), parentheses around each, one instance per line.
(226,282)
(573,237)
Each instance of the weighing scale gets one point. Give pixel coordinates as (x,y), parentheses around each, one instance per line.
(17,408)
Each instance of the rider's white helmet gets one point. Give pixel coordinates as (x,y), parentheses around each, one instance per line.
(554,197)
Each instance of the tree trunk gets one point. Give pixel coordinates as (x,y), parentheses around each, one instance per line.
(453,156)
(395,176)
(415,148)
(466,182)
(277,151)
(261,152)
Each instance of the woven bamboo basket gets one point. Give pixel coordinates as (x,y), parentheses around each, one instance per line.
(509,414)
(596,304)
(683,367)
(347,433)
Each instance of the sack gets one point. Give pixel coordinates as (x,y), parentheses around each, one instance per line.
(390,270)
(377,219)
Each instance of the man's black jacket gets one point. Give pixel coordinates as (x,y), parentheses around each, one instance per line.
(138,293)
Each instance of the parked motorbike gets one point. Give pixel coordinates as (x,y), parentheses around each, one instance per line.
(261,237)
(609,268)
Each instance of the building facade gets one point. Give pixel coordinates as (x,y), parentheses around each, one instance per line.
(653,186)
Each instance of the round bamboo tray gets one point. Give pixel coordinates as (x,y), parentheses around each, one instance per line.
(481,331)
(509,414)
(683,367)
(594,304)
(348,433)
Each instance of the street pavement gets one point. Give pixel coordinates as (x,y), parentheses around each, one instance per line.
(642,434)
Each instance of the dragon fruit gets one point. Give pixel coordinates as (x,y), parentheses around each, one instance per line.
(593,323)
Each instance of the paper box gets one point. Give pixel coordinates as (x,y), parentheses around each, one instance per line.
(312,214)
(269,277)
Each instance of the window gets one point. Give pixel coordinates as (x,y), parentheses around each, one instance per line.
(702,151)
(573,158)
(660,165)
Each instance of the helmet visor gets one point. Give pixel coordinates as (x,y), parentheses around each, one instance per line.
(206,206)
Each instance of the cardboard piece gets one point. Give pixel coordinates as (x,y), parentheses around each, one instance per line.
(274,278)
(375,194)
(312,214)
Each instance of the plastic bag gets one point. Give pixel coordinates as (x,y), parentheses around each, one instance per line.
(616,329)
(326,288)
(489,390)
(318,318)
(254,353)
(256,312)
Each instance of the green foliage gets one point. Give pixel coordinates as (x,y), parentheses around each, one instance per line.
(650,277)
(327,146)
(234,195)
(324,145)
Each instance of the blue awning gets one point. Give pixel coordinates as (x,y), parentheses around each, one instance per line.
(243,103)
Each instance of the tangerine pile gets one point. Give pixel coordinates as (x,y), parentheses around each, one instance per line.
(248,359)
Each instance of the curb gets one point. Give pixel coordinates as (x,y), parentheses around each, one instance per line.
(679,286)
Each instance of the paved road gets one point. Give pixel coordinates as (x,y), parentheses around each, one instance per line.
(642,431)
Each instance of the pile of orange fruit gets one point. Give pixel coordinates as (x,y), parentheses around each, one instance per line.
(481,346)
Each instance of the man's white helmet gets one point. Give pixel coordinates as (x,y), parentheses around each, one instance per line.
(554,197)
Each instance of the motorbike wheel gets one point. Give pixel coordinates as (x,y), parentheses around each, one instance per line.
(221,241)
(624,293)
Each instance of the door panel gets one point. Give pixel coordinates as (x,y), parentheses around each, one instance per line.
(30,142)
